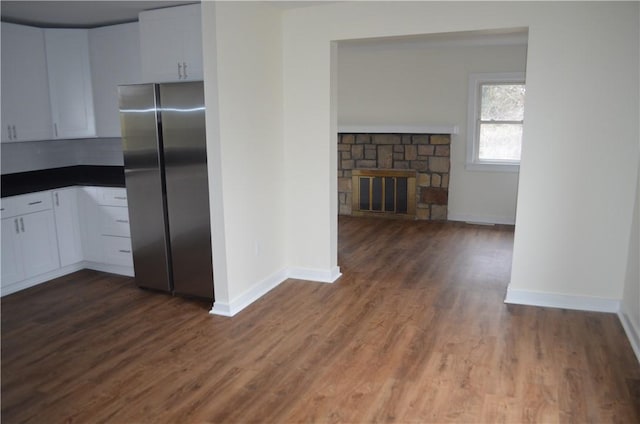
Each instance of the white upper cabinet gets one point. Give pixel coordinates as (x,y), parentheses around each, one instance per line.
(171,44)
(70,91)
(26,113)
(115,59)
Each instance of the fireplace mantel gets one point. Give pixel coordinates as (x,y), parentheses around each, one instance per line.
(398,129)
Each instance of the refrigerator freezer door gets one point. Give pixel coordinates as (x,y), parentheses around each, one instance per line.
(185,155)
(144,181)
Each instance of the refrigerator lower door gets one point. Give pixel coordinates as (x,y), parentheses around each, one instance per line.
(143,178)
(185,155)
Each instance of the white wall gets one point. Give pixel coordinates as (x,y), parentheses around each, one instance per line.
(243,83)
(577,177)
(424,81)
(630,308)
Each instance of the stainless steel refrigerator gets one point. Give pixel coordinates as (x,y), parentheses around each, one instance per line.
(164,146)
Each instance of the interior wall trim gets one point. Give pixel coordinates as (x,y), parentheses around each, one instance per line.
(316,275)
(252,294)
(111,268)
(563,301)
(482,219)
(229,309)
(399,129)
(65,270)
(41,278)
(633,333)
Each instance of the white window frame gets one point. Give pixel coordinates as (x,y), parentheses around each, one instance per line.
(473,137)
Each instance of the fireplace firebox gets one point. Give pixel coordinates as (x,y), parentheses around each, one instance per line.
(384,192)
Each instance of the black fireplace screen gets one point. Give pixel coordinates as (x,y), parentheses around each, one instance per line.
(383,194)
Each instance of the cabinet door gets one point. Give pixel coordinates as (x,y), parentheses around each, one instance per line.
(70,83)
(190,22)
(65,207)
(171,39)
(12,263)
(26,113)
(160,46)
(38,243)
(90,223)
(115,59)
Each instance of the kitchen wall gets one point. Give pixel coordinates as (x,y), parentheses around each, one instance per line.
(578,172)
(423,81)
(243,81)
(33,155)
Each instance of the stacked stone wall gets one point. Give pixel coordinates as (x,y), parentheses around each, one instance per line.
(427,154)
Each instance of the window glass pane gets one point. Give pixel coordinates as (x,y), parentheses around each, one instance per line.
(502,102)
(500,142)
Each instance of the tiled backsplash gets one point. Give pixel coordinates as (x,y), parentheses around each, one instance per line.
(35,155)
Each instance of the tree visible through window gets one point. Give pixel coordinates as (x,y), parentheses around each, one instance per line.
(500,122)
(496,112)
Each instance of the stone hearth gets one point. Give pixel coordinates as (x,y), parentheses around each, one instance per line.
(426,154)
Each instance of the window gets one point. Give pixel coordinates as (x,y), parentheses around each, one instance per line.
(496,111)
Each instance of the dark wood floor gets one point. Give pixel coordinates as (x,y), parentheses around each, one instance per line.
(415,331)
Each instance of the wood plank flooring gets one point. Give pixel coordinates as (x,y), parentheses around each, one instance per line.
(415,331)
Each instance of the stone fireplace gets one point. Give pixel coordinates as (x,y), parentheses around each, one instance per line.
(382,161)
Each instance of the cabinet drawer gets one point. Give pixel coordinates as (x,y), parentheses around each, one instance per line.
(117,250)
(26,203)
(112,196)
(7,207)
(115,221)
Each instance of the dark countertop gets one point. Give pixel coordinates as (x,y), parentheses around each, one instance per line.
(48,179)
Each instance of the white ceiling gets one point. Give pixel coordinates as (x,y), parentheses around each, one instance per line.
(90,14)
(78,14)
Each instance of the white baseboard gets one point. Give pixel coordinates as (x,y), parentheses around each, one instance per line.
(318,275)
(501,220)
(229,309)
(248,297)
(633,333)
(60,272)
(42,278)
(563,301)
(113,269)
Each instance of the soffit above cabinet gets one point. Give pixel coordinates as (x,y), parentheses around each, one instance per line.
(79,14)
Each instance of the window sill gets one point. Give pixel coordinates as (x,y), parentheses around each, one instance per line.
(492,167)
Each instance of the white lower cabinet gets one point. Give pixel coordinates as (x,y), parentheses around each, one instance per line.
(38,242)
(65,207)
(29,242)
(52,233)
(117,250)
(106,228)
(12,262)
